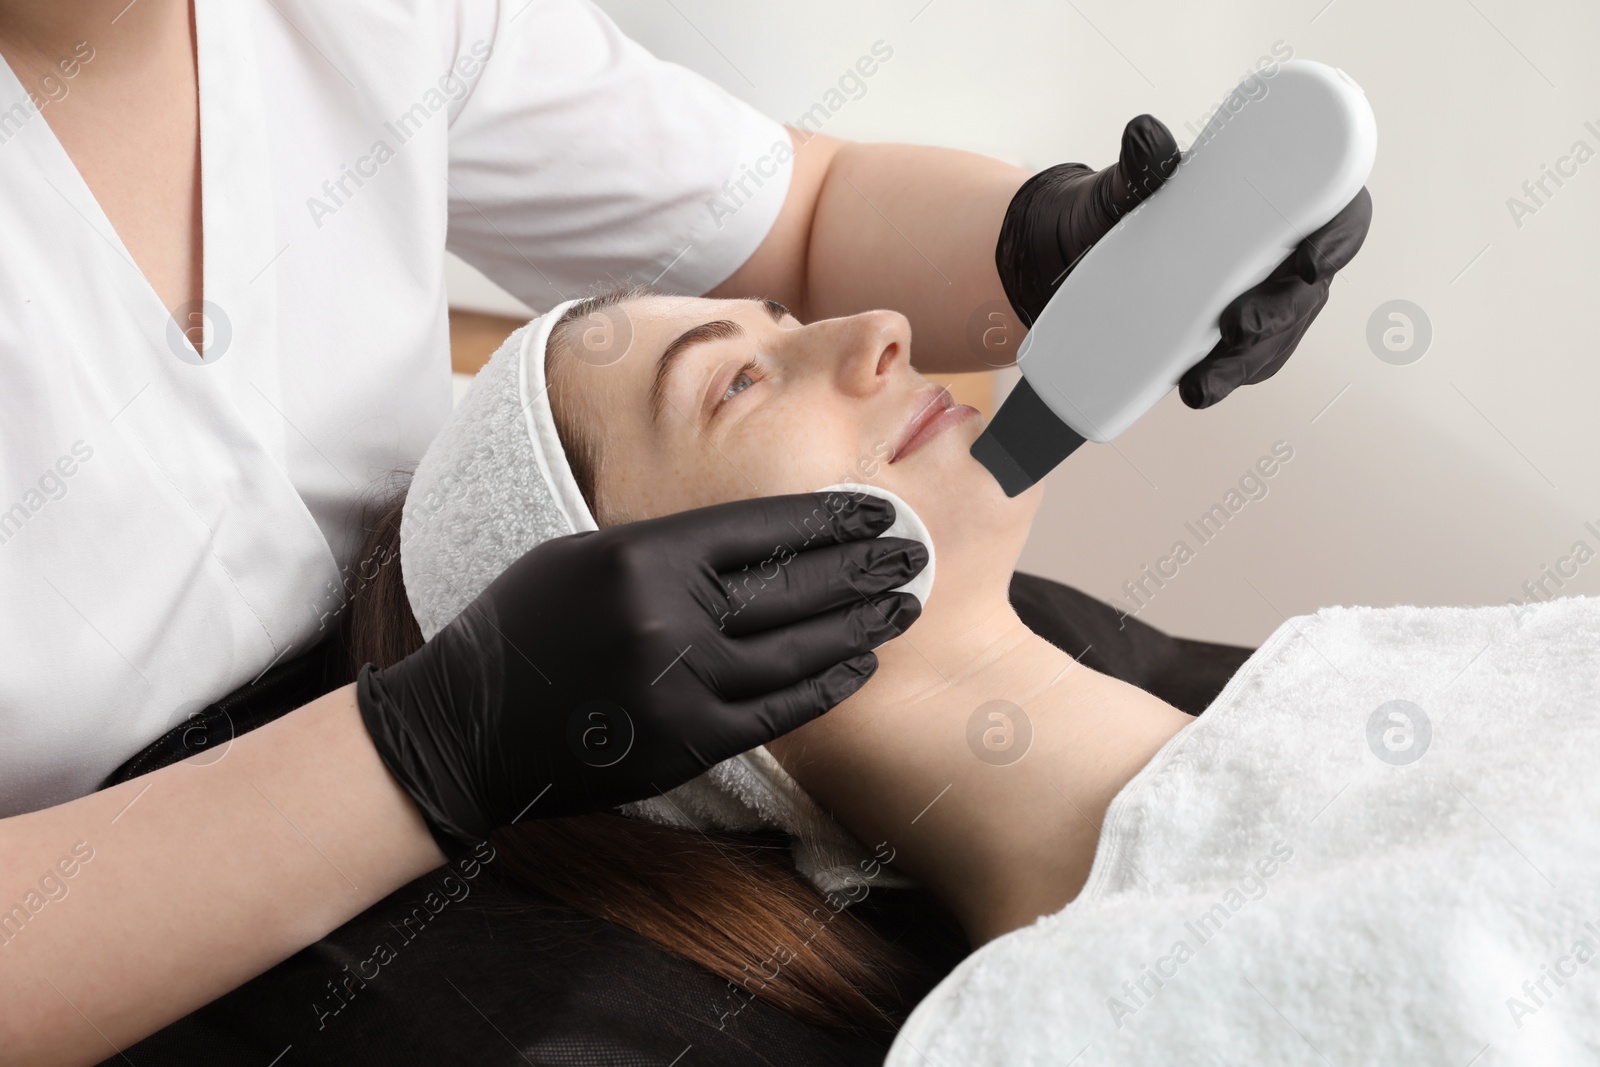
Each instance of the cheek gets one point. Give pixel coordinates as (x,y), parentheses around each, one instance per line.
(795,450)
(647,483)
(758,458)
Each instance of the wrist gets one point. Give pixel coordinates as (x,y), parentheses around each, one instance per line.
(1028,255)
(381,836)
(400,734)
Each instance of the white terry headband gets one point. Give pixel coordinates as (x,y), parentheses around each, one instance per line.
(493,484)
(496,483)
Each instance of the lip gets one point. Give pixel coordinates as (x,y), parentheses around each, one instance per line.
(936,412)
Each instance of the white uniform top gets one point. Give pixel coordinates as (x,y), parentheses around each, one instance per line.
(170,527)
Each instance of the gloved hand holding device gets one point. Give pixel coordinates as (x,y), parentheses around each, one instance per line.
(612,665)
(1058,215)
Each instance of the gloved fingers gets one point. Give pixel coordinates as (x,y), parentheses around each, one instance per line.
(812,582)
(1289,341)
(768,717)
(1270,309)
(750,532)
(1058,214)
(1330,248)
(1149,156)
(739,668)
(1254,357)
(1262,326)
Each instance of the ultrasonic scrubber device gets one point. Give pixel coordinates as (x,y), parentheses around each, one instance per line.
(1281,157)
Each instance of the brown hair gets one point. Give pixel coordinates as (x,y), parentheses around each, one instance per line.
(732,903)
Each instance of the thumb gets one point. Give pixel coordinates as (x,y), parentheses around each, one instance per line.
(1148,158)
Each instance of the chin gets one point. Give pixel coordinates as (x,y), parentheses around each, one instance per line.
(972,520)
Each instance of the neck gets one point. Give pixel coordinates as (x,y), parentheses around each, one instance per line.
(985,757)
(40,37)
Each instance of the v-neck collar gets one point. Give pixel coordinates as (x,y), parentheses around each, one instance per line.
(208,458)
(69,182)
(239,225)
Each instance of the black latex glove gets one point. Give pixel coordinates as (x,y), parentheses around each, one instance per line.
(612,665)
(1060,213)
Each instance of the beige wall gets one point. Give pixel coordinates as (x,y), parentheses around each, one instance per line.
(1450,480)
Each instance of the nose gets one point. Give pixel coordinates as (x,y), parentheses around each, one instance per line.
(870,348)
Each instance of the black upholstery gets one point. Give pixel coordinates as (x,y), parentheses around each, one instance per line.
(483,973)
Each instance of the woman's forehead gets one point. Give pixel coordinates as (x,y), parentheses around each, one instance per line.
(608,356)
(676,313)
(613,356)
(628,338)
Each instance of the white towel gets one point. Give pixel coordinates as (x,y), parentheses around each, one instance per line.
(1272,890)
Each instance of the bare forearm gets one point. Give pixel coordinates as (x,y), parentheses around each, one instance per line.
(913,228)
(199,877)
(907,227)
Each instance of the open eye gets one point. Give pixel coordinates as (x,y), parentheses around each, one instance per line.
(743,379)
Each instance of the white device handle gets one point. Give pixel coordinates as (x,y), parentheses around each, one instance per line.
(1280,158)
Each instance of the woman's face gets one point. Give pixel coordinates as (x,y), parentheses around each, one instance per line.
(718,400)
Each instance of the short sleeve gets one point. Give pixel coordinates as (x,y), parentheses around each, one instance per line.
(577,157)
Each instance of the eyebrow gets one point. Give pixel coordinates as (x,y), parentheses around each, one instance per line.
(717,330)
